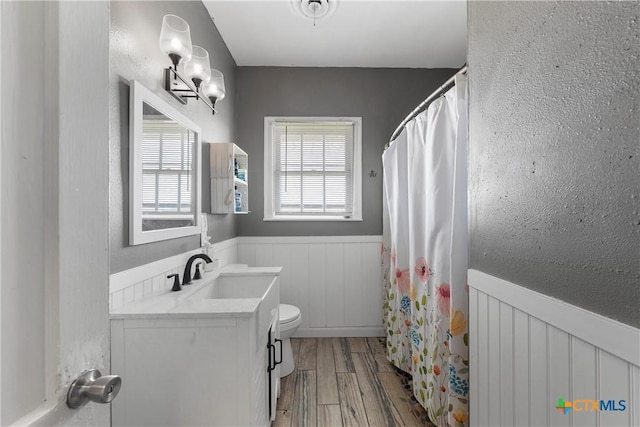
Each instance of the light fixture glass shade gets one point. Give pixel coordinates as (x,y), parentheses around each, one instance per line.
(197,68)
(215,87)
(175,39)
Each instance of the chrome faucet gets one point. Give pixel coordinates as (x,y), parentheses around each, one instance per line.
(186,277)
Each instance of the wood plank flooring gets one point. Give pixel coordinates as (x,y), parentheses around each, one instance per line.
(345,382)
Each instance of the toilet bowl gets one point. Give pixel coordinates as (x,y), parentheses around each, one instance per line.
(290,319)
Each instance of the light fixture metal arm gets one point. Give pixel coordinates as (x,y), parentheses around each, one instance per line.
(181,88)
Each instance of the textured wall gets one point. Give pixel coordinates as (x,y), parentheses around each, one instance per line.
(134,54)
(554,149)
(382,97)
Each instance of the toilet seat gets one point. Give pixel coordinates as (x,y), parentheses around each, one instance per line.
(288,313)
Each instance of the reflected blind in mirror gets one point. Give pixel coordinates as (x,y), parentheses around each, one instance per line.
(167,162)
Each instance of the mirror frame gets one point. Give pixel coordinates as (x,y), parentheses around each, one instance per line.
(139,95)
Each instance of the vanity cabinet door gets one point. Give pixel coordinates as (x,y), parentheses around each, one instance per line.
(274,359)
(181,372)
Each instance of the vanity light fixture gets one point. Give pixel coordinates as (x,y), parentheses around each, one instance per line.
(175,42)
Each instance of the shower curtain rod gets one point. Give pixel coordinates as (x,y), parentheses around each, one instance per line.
(424,104)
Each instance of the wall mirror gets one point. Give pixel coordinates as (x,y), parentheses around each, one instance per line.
(164,170)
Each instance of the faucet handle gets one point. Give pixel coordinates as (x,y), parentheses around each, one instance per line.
(197,275)
(176,282)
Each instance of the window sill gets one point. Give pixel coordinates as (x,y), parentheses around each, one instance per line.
(292,218)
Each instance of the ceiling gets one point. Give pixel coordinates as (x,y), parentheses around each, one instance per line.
(373,33)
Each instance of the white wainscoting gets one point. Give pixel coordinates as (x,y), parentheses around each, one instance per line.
(335,281)
(527,350)
(133,284)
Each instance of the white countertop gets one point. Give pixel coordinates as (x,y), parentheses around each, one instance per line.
(169,304)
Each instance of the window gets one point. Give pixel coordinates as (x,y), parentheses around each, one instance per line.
(313,168)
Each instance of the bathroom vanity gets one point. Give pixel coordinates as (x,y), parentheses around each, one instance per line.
(204,356)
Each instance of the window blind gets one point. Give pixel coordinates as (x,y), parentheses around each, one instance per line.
(167,163)
(313,168)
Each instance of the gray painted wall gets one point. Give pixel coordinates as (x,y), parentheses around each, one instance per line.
(553,125)
(134,54)
(382,97)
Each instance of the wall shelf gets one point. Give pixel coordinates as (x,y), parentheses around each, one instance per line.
(225,180)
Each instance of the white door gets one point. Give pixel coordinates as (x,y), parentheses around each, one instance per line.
(54,264)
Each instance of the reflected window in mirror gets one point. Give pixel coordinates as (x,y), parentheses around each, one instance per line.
(167,168)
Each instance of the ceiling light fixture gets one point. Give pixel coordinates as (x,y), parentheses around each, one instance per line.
(175,42)
(314,9)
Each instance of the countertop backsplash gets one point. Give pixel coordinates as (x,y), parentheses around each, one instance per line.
(130,285)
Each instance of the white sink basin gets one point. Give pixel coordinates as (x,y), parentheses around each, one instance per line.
(238,287)
(235,287)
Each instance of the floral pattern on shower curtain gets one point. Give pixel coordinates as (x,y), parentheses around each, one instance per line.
(425,237)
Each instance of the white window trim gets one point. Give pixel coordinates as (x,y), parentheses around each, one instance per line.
(268,169)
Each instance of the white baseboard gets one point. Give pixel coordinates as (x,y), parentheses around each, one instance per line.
(339,332)
(257,240)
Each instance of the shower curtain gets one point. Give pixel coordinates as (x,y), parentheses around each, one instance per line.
(425,256)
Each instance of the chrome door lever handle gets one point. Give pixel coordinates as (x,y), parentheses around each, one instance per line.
(91,386)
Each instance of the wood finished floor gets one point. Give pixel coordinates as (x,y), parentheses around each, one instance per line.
(345,382)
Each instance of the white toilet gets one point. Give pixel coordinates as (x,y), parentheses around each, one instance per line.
(290,319)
